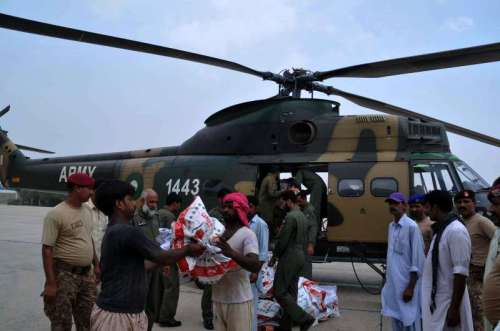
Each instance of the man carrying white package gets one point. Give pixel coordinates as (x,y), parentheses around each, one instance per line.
(232,296)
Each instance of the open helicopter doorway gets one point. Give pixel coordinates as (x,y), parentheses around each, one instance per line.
(289,177)
(306,177)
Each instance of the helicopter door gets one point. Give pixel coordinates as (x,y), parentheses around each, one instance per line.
(357,211)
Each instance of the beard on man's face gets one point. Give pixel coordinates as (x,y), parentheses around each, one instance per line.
(230,217)
(148,211)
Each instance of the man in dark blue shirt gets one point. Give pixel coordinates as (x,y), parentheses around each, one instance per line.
(125,249)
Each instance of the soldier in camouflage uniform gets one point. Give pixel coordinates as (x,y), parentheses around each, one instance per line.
(494,249)
(481,231)
(312,231)
(68,252)
(147,219)
(289,252)
(170,278)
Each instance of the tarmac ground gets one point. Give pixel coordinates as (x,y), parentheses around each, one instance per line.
(22,278)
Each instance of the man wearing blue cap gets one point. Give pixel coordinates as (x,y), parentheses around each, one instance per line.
(417,213)
(405,261)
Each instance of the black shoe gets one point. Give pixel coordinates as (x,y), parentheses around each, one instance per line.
(208,324)
(170,323)
(307,324)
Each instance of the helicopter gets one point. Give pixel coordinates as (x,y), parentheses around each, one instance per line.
(363,158)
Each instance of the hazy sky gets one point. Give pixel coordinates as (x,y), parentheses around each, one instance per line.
(77,98)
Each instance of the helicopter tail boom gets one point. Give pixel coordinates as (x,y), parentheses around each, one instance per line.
(10,153)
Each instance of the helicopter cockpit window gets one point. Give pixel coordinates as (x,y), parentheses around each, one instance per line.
(469,178)
(351,187)
(383,187)
(432,176)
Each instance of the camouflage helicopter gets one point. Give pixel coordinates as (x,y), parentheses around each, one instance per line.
(363,158)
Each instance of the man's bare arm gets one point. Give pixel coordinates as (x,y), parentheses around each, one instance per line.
(48,264)
(95,259)
(453,315)
(248,262)
(174,255)
(459,282)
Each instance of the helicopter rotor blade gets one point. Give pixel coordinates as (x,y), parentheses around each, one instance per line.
(5,111)
(394,110)
(33,149)
(61,32)
(405,65)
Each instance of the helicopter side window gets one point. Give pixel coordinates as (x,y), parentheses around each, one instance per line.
(432,176)
(383,187)
(469,178)
(351,188)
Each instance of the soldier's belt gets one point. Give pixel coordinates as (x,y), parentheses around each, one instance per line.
(79,270)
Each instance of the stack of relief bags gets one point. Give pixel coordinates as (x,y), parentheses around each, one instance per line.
(320,301)
(195,225)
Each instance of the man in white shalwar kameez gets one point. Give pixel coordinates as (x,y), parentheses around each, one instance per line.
(405,262)
(445,302)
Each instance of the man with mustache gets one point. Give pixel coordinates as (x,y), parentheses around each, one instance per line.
(68,255)
(405,261)
(146,217)
(445,301)
(481,231)
(417,213)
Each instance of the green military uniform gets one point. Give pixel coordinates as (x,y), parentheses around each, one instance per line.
(170,296)
(268,195)
(150,227)
(206,299)
(312,232)
(166,217)
(289,250)
(317,186)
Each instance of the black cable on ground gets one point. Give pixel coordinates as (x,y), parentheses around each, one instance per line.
(377,292)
